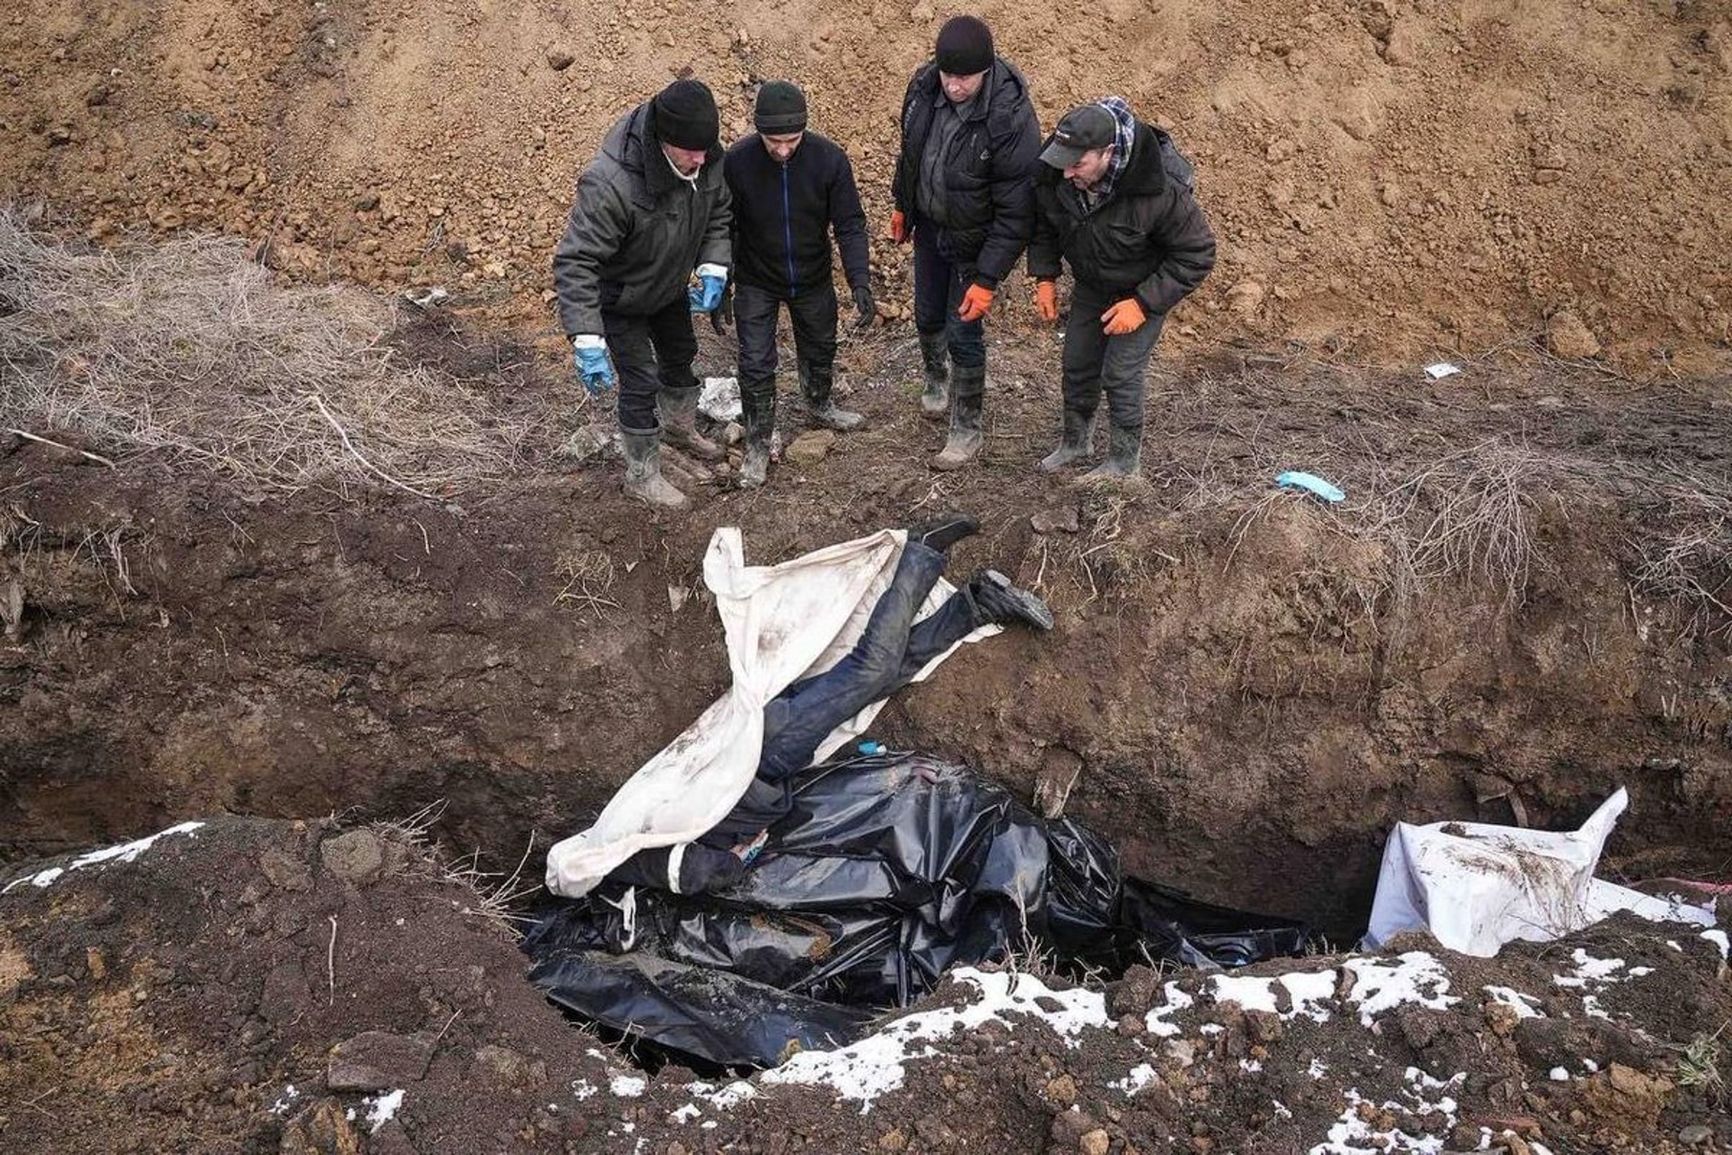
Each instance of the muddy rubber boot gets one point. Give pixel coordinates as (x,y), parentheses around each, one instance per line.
(934,357)
(1073,442)
(997,602)
(967,387)
(815,388)
(760,420)
(643,470)
(1125,457)
(679,412)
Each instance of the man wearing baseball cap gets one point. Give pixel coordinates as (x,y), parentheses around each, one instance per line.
(790,188)
(964,196)
(646,245)
(1115,201)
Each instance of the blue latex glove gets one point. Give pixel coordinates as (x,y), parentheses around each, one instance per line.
(707,293)
(594,368)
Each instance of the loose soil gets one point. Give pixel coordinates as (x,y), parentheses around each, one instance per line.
(1391,179)
(255,985)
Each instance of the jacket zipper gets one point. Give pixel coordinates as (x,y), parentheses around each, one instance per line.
(787,232)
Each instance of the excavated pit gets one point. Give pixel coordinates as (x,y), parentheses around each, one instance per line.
(1248,688)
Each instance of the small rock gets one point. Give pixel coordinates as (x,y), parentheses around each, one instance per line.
(893,1140)
(1095,1142)
(1569,337)
(1130,1026)
(357,856)
(1263,1026)
(96,963)
(284,872)
(559,59)
(1062,1090)
(509,1066)
(378,1061)
(60,134)
(810,447)
(1547,176)
(1182,1051)
(1063,519)
(367,202)
(1246,297)
(1695,1135)
(935,1132)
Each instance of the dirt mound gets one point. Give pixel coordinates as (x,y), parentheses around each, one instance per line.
(242,985)
(1389,179)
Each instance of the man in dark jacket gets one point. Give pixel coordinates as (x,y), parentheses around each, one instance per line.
(964,196)
(651,216)
(1115,201)
(790,188)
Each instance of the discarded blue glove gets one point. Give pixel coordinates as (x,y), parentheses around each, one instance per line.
(1311,484)
(870,747)
(707,293)
(594,368)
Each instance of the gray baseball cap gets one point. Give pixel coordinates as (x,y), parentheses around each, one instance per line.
(1088,126)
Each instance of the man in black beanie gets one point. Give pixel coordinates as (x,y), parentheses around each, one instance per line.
(964,192)
(646,245)
(790,188)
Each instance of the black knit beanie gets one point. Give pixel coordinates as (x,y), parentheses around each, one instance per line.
(964,46)
(781,108)
(686,115)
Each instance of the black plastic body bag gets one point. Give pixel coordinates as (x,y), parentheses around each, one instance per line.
(890,870)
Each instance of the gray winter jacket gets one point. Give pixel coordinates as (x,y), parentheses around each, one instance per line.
(636,230)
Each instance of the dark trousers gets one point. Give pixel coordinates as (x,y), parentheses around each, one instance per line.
(1094,362)
(813,314)
(891,650)
(938,288)
(650,353)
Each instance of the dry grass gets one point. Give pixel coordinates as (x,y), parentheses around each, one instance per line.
(491,896)
(1684,547)
(588,576)
(190,349)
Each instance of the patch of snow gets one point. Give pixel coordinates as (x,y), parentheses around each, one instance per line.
(1281,1111)
(125,852)
(382,1109)
(727,1097)
(1140,1077)
(1382,984)
(708,1124)
(1307,992)
(1560,1075)
(1718,938)
(1590,1066)
(1591,1008)
(1155,1022)
(627,1086)
(866,1069)
(582,1089)
(1673,943)
(1250,1066)
(685,1114)
(1211,1028)
(1590,970)
(1510,997)
(1317,1069)
(1351,1135)
(284,1100)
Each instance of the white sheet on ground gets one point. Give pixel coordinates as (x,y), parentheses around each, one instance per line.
(1476,887)
(782,623)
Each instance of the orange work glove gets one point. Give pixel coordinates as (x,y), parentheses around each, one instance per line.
(1125,317)
(1046,300)
(899,230)
(975,302)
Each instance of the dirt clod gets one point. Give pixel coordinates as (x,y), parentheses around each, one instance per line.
(357,856)
(1568,336)
(378,1061)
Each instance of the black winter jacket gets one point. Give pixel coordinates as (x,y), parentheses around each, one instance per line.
(988,176)
(783,215)
(1149,238)
(636,230)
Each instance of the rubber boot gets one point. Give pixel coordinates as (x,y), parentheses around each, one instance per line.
(943,532)
(997,602)
(679,411)
(967,386)
(815,388)
(760,419)
(643,470)
(1124,458)
(1073,443)
(934,356)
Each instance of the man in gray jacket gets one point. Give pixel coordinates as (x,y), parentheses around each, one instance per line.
(646,245)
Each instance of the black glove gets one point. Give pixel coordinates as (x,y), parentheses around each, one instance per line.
(866,307)
(723,314)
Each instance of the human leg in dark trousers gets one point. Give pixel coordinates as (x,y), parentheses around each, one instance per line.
(631,343)
(814,317)
(1124,367)
(670,330)
(938,288)
(1080,368)
(755,314)
(698,868)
